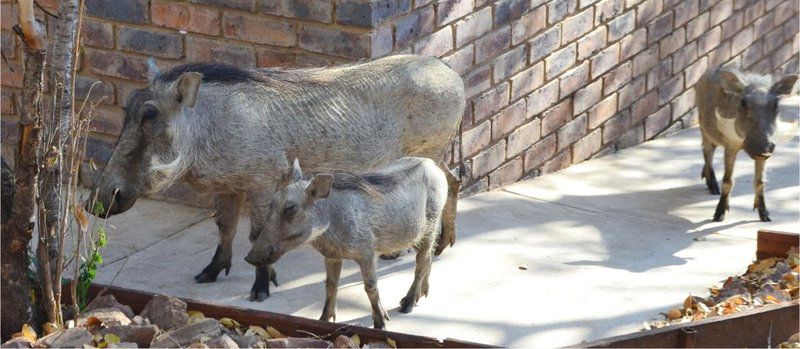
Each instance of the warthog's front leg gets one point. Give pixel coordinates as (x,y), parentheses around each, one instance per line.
(227,208)
(260,290)
(371,287)
(708,167)
(424,259)
(727,184)
(333,269)
(759,183)
(447,236)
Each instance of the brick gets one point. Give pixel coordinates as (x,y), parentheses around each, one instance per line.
(685,11)
(559,61)
(7,104)
(115,64)
(659,27)
(621,26)
(790,29)
(591,43)
(602,111)
(571,132)
(616,126)
(510,63)
(413,26)
(661,72)
(450,10)
(617,78)
(645,60)
(657,122)
(493,43)
(670,89)
(132,11)
(107,122)
(315,10)
(605,60)
(247,5)
(489,159)
(753,53)
(587,146)
(102,92)
(437,44)
(682,104)
(556,116)
(644,106)
(647,11)
(753,12)
(461,60)
(608,9)
(631,92)
(697,27)
(490,102)
(200,49)
(721,11)
(741,41)
(709,40)
(630,138)
(632,44)
(781,55)
(574,79)
(96,34)
(763,25)
(273,58)
(477,80)
(185,17)
(544,43)
(719,55)
(684,56)
(506,11)
(477,138)
(526,81)
(672,42)
(159,44)
(771,4)
(557,10)
(539,153)
(508,119)
(772,40)
(335,42)
(523,137)
(542,98)
(528,25)
(381,42)
(573,27)
(731,26)
(587,97)
(506,174)
(258,29)
(473,26)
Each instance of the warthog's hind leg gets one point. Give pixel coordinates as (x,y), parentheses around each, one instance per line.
(708,167)
(423,270)
(227,208)
(260,290)
(371,287)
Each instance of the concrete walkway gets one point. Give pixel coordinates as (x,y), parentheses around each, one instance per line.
(586,253)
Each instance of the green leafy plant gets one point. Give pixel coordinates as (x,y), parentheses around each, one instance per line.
(88,269)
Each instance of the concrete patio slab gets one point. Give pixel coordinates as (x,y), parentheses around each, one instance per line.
(589,252)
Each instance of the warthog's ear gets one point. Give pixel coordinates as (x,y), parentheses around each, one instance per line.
(152,69)
(784,85)
(731,81)
(297,173)
(186,88)
(320,187)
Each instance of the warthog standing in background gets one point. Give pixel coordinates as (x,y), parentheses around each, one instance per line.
(228,131)
(738,111)
(357,217)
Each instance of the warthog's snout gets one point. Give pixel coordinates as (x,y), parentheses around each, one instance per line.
(261,257)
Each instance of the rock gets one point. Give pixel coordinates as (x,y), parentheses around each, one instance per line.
(297,343)
(138,320)
(74,337)
(107,316)
(19,342)
(199,346)
(123,345)
(109,301)
(141,335)
(247,341)
(222,341)
(344,342)
(166,312)
(187,335)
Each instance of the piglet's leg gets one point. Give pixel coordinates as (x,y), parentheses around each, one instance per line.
(759,184)
(371,287)
(420,275)
(333,268)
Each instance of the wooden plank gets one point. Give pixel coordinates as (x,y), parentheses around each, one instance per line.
(289,325)
(775,243)
(749,328)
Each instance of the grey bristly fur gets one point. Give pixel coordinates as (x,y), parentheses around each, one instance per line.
(357,218)
(738,111)
(228,131)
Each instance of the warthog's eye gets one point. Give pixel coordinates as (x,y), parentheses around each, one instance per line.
(289,210)
(744,103)
(149,114)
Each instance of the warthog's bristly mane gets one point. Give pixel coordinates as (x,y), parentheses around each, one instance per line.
(212,73)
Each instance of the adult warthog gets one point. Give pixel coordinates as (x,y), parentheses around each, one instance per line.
(228,131)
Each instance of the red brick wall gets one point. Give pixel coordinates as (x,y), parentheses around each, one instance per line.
(550,83)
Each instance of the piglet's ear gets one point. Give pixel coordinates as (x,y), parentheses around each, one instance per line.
(784,85)
(186,88)
(320,187)
(731,81)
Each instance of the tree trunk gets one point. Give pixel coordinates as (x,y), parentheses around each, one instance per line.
(18,230)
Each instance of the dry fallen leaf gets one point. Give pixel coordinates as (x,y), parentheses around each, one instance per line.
(80,217)
(674,314)
(229,323)
(274,333)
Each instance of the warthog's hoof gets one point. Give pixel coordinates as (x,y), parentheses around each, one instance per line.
(209,273)
(764,215)
(407,304)
(260,290)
